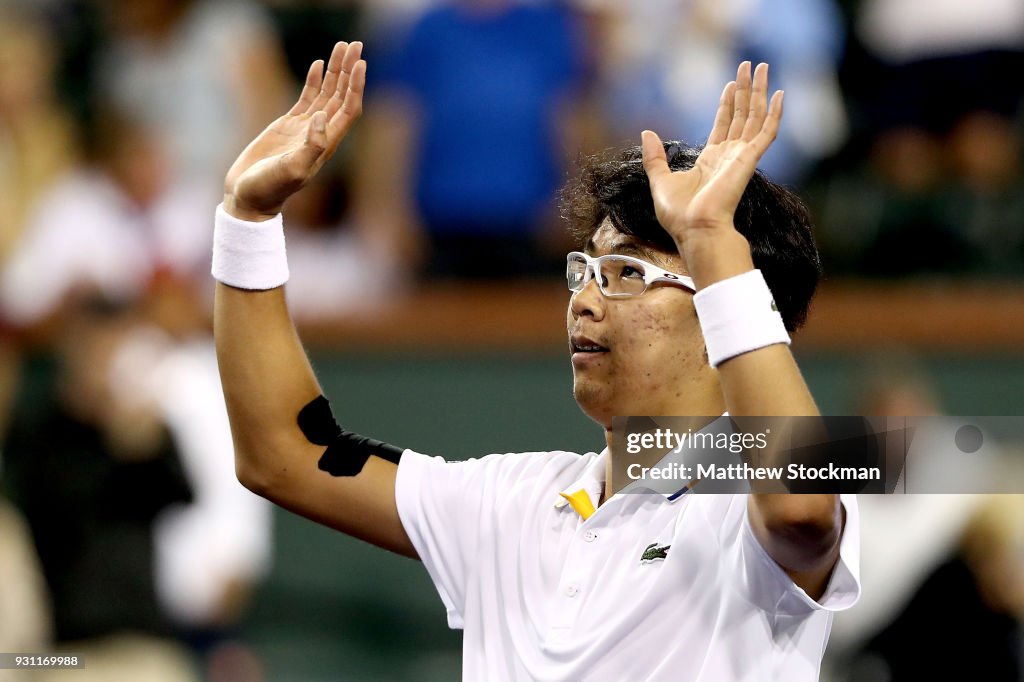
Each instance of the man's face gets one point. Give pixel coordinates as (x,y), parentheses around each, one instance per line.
(652,359)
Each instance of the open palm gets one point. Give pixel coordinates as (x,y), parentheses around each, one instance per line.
(704,198)
(290,151)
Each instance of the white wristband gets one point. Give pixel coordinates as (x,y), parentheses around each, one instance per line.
(738,315)
(249,255)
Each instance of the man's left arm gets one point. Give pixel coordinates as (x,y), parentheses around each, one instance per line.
(802,533)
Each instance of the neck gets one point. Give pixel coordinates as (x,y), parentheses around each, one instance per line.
(708,402)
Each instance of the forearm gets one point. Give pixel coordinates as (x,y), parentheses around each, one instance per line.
(801,532)
(763,382)
(267,379)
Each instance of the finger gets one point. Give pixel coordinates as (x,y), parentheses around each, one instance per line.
(738,168)
(351,108)
(330,77)
(348,63)
(310,89)
(654,157)
(770,128)
(758,103)
(741,103)
(723,117)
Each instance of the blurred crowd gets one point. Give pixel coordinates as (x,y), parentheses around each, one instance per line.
(118,119)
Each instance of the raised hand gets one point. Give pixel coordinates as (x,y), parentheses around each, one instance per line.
(290,151)
(700,202)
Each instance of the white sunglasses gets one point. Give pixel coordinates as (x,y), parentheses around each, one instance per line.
(618,276)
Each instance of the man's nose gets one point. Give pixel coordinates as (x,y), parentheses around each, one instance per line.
(588,301)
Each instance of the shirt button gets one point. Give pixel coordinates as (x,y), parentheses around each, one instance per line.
(590,536)
(572,591)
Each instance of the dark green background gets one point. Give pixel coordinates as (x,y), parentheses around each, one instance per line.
(334,608)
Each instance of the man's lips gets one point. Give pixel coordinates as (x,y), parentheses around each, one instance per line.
(584,344)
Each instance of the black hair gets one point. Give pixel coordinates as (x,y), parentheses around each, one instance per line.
(774,221)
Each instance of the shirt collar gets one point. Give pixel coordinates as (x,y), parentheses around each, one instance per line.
(592,481)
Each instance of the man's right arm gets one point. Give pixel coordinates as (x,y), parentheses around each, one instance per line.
(264,370)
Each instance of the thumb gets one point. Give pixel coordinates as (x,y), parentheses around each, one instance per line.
(655,160)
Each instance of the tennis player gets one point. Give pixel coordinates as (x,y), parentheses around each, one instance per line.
(549,572)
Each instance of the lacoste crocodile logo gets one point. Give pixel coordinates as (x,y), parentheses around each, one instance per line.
(653,553)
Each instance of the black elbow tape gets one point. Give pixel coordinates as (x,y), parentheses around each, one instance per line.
(346,452)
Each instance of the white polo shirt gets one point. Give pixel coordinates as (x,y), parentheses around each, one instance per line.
(644,589)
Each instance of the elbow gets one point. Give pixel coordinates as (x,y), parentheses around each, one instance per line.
(251,478)
(808,526)
(266,465)
(254,476)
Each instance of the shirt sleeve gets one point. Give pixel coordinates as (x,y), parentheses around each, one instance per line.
(441,505)
(768,586)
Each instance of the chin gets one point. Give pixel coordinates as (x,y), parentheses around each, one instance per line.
(593,404)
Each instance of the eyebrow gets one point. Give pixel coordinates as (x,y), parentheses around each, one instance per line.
(624,248)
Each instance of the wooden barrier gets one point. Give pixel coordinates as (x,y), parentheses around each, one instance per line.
(846,316)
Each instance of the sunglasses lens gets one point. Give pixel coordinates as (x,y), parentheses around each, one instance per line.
(575,272)
(623,276)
